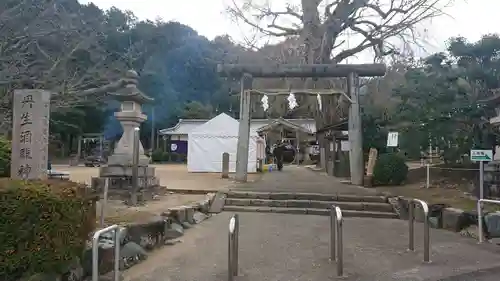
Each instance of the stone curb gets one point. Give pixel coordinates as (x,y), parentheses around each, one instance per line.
(138,238)
(448,218)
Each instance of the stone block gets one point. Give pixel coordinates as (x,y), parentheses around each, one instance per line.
(178,214)
(452,219)
(205,205)
(190,215)
(131,254)
(492,223)
(147,233)
(279,196)
(199,217)
(173,231)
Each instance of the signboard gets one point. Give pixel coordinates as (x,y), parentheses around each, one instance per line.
(392,139)
(481,155)
(345,145)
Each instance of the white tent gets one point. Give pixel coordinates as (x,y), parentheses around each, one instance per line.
(207,143)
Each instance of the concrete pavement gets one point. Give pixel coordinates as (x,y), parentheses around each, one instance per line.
(282,247)
(301,179)
(276,247)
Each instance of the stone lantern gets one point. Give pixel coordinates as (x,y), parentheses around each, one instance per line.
(130,117)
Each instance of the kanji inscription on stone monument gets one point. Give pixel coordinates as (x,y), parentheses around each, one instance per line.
(30,134)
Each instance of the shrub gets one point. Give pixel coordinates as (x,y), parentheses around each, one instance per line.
(4,157)
(44,225)
(390,169)
(157,156)
(160,156)
(182,158)
(174,156)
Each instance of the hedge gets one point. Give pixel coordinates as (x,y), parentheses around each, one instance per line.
(44,225)
(159,156)
(4,157)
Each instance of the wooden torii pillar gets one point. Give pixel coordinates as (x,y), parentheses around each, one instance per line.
(246,72)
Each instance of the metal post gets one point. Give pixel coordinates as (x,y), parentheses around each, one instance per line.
(428,178)
(104,201)
(95,252)
(480,220)
(411,235)
(340,245)
(116,273)
(336,242)
(236,244)
(232,259)
(333,222)
(135,165)
(411,217)
(481,180)
(480,216)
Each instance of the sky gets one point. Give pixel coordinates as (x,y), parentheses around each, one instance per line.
(467,18)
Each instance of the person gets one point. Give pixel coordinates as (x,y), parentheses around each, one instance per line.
(278,154)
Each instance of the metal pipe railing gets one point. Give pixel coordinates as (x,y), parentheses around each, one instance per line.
(336,241)
(234,229)
(480,202)
(95,252)
(411,219)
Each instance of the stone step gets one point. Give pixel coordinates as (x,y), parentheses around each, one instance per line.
(308,204)
(310,211)
(306,196)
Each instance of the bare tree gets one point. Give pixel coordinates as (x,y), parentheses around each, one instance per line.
(58,46)
(322,25)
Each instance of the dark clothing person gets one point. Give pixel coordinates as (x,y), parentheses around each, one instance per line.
(278,154)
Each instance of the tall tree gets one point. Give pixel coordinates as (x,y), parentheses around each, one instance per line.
(322,27)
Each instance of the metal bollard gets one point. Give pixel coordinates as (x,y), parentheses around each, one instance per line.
(336,239)
(232,268)
(95,252)
(411,227)
(480,235)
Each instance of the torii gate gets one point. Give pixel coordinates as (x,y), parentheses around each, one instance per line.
(246,73)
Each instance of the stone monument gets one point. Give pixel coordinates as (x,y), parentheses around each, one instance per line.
(30,134)
(120,163)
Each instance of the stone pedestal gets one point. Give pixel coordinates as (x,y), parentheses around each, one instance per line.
(123,154)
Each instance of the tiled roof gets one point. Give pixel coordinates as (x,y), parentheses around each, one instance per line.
(184,126)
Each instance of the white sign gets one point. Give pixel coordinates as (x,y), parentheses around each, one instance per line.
(173,147)
(345,146)
(481,155)
(392,139)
